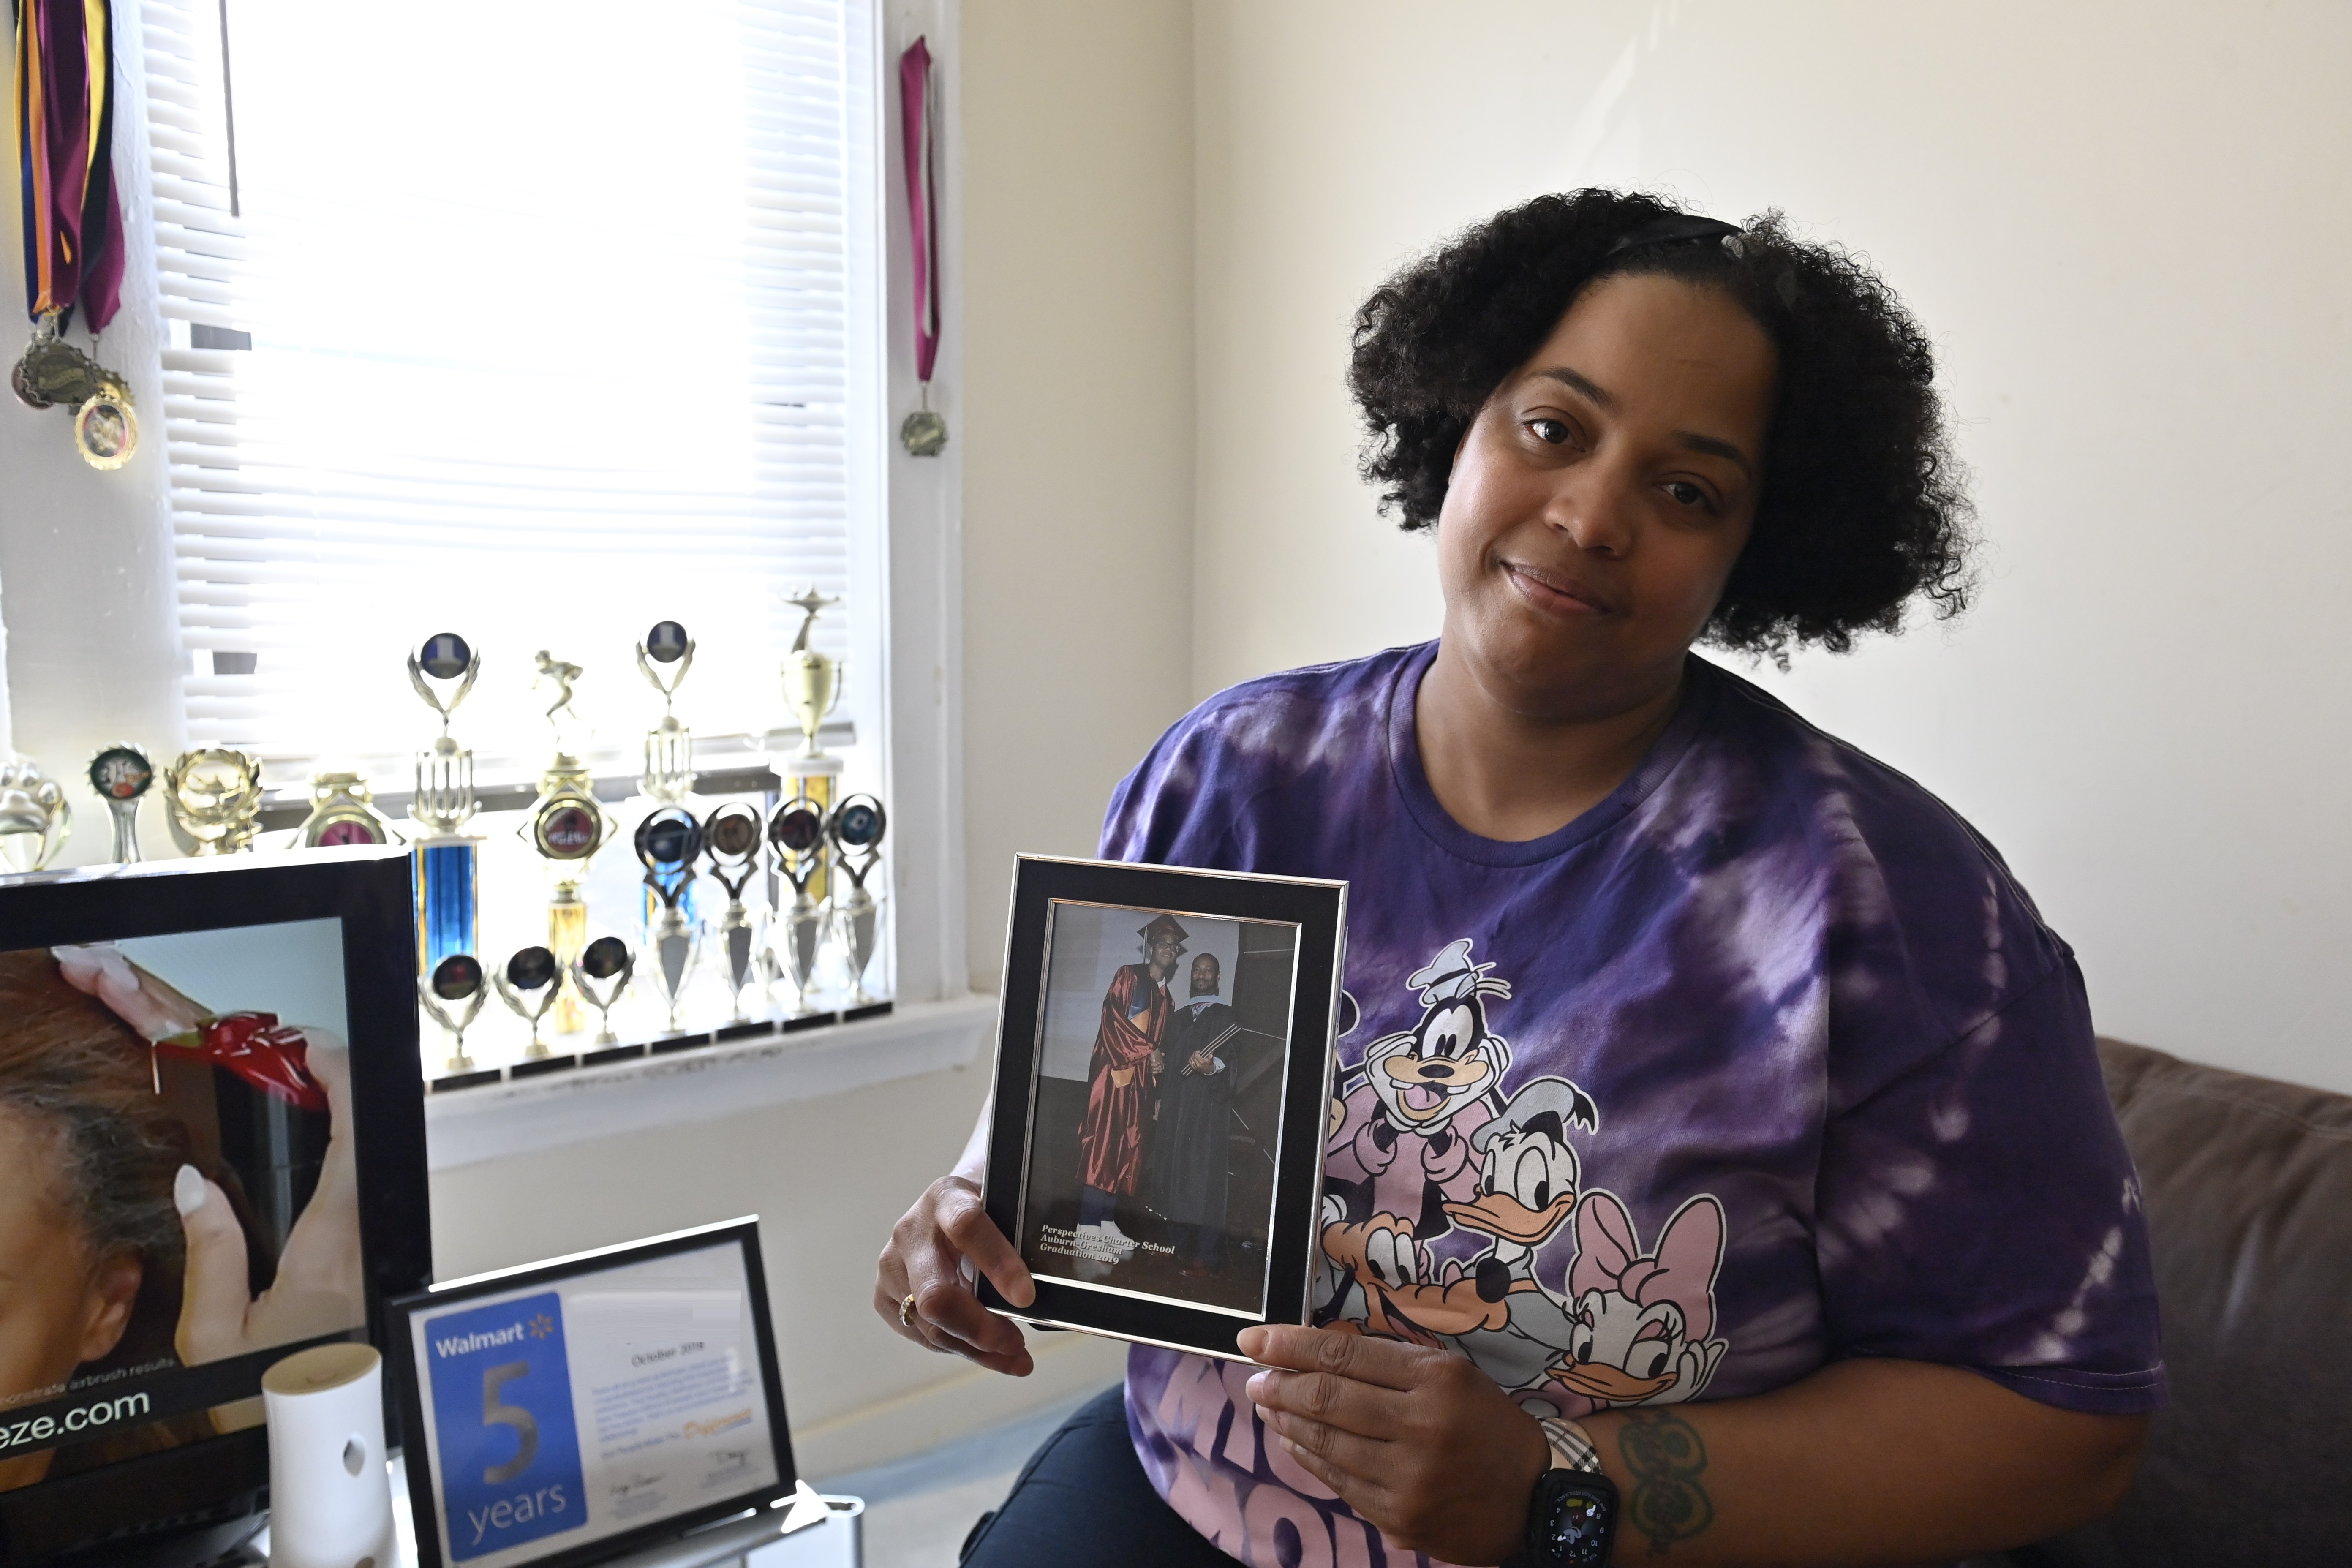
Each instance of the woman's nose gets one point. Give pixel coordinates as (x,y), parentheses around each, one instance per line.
(1596,511)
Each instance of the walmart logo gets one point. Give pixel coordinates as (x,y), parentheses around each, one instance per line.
(541,1325)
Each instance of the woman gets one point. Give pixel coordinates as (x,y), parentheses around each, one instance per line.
(1796,1205)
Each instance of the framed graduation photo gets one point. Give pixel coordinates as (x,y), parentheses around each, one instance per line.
(1163,1071)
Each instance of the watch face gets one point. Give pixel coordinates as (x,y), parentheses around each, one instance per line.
(1576,1520)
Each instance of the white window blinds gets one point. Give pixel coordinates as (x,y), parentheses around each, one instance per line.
(520,319)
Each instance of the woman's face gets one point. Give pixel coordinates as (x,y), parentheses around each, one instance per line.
(1600,498)
(58,1306)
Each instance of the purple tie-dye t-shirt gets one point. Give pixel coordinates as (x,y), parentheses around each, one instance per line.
(1763,1062)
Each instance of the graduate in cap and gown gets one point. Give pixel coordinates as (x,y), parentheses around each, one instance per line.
(1189,1146)
(1119,1079)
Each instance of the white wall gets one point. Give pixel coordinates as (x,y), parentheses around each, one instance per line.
(827,1177)
(102,663)
(2126,227)
(1077,121)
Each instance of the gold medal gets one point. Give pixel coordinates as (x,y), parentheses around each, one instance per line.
(53,373)
(106,427)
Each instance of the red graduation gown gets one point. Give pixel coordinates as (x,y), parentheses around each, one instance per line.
(1134,1019)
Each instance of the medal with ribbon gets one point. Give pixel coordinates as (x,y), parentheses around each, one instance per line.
(72,222)
(924,433)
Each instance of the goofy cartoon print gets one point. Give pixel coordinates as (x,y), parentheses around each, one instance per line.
(1402,1142)
(1427,1143)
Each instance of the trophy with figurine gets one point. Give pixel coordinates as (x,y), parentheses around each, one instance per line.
(566,824)
(811,691)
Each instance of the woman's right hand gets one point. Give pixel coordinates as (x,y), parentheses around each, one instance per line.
(925,1257)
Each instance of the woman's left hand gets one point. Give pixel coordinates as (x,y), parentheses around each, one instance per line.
(1418,1441)
(318,1286)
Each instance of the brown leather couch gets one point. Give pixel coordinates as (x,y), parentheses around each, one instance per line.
(2249,1189)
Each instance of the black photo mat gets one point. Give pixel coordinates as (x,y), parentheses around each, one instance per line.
(1214,1228)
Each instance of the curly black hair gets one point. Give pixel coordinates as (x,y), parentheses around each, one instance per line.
(1863,505)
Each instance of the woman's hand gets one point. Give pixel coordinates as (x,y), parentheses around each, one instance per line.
(1417,1441)
(316,1288)
(925,1257)
(132,995)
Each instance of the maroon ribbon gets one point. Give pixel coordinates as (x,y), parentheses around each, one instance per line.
(272,1056)
(922,200)
(64,134)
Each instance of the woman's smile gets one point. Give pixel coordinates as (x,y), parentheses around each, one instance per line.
(1554,591)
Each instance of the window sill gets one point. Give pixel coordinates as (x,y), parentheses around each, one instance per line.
(528,1115)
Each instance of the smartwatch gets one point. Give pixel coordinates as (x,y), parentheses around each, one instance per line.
(1572,1518)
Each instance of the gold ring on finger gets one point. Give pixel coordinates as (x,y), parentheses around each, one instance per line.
(907,1311)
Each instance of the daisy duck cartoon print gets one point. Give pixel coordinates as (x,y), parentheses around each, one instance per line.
(1457,1214)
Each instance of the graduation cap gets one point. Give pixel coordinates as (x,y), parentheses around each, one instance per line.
(1164,925)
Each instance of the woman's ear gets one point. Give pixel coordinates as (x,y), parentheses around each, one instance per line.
(114,1293)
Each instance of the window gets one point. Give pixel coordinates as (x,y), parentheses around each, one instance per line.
(531,322)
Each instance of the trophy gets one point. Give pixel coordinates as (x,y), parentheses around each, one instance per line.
(797,831)
(36,819)
(454,994)
(602,974)
(812,690)
(669,748)
(811,679)
(567,827)
(856,831)
(214,796)
(443,670)
(530,986)
(668,842)
(343,811)
(731,840)
(122,775)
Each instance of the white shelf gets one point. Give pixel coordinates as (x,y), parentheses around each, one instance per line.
(491,1122)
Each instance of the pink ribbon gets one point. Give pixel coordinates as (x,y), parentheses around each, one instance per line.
(922,200)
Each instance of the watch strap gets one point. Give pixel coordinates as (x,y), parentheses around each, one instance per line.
(1572,1447)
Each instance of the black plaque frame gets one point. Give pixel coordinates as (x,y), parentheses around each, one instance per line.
(400,1354)
(1319,910)
(368,889)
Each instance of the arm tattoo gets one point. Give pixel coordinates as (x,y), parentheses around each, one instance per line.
(1668,1458)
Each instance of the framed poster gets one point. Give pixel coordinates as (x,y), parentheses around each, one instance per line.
(1163,1074)
(568,1410)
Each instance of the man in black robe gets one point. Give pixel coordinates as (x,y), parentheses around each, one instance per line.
(1190,1142)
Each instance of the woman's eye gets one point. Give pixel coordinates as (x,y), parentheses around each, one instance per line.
(1551,432)
(1686,493)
